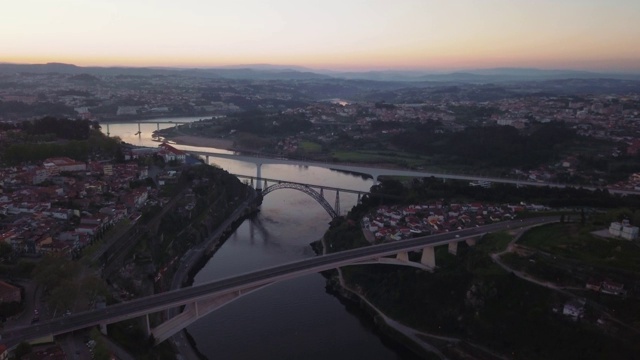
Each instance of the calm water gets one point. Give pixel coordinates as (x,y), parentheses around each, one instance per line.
(295,319)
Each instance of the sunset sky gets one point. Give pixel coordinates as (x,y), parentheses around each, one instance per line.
(326,34)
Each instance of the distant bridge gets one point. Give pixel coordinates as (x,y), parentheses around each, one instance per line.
(176,123)
(376,172)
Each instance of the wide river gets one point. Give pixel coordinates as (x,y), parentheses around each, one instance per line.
(295,319)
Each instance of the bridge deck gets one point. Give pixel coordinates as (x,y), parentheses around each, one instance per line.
(175,298)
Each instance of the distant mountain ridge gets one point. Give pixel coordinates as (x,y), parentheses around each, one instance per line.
(292,72)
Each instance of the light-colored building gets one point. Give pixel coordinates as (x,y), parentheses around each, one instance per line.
(127,110)
(629,232)
(107,169)
(56,165)
(169,153)
(574,309)
(624,230)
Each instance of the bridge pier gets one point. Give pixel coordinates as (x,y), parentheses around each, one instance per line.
(103,329)
(403,256)
(207,158)
(158,128)
(107,129)
(139,131)
(471,241)
(147,326)
(359,198)
(428,257)
(375,177)
(453,248)
(337,203)
(258,177)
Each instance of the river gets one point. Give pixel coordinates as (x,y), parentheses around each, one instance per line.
(295,319)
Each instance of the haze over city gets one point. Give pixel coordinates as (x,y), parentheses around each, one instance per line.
(335,35)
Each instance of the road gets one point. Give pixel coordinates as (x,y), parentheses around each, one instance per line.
(496,257)
(175,298)
(376,172)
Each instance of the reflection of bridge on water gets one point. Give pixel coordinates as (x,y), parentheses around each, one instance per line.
(266,186)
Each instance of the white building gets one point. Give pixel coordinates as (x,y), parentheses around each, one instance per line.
(624,230)
(574,308)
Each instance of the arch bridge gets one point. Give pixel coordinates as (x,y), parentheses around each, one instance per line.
(266,186)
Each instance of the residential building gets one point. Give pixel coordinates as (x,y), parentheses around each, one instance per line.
(9,293)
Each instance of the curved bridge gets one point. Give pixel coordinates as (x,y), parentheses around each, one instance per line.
(307,190)
(199,299)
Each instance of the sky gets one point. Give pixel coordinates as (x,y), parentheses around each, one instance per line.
(352,35)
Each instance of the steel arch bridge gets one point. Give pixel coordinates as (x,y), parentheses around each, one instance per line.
(307,190)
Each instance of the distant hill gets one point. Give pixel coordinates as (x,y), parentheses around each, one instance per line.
(292,72)
(266,67)
(263,72)
(58,68)
(258,74)
(482,76)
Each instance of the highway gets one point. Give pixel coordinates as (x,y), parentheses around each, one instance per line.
(375,172)
(175,298)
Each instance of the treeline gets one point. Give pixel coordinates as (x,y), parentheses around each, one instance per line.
(496,146)
(35,109)
(260,123)
(54,128)
(62,128)
(76,139)
(419,190)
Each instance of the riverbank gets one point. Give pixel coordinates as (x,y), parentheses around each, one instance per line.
(408,337)
(193,261)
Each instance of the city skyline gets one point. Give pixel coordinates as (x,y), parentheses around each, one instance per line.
(358,35)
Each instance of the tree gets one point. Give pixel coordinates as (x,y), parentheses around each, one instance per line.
(22,349)
(5,249)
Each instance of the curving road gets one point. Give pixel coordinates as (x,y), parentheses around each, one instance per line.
(175,298)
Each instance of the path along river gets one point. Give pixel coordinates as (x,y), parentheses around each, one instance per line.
(296,319)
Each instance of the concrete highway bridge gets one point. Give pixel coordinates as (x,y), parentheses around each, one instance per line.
(176,123)
(201,300)
(376,172)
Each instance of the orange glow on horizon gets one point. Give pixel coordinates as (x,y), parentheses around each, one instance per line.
(332,34)
(351,63)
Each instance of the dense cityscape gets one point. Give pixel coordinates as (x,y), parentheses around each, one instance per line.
(124,220)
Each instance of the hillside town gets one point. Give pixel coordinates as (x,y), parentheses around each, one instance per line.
(61,205)
(393,223)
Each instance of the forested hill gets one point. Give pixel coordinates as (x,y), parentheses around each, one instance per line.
(491,145)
